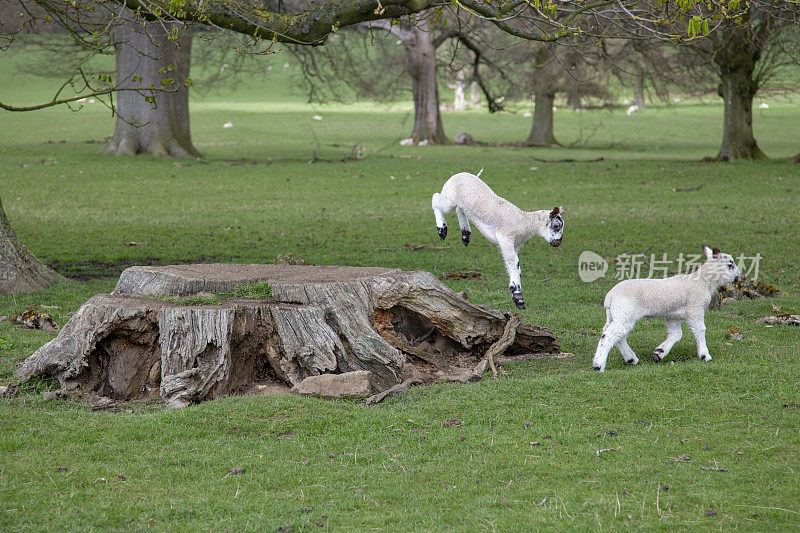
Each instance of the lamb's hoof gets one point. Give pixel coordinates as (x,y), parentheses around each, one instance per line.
(465,235)
(520,304)
(658,355)
(597,369)
(632,362)
(442,232)
(704,357)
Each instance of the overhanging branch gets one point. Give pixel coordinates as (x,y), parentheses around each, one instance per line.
(310,27)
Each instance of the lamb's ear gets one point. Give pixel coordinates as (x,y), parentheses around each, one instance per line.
(717,252)
(708,252)
(556,211)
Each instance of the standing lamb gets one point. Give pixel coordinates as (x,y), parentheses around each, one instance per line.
(677,298)
(500,221)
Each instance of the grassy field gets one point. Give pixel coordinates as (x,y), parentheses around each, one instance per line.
(688,445)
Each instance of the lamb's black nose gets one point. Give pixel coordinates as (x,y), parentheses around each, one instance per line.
(555,243)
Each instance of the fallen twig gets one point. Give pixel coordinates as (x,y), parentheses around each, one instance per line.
(568,160)
(355,155)
(462,274)
(714,469)
(793,320)
(415,247)
(687,189)
(503,359)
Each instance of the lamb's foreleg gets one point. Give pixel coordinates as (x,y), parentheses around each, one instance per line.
(511,261)
(463,223)
(674,334)
(697,324)
(441,206)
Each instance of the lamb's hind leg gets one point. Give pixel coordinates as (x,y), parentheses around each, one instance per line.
(627,352)
(463,223)
(674,334)
(441,206)
(614,331)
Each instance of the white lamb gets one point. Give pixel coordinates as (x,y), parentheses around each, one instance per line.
(500,221)
(677,298)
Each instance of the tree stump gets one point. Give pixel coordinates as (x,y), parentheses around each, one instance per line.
(142,341)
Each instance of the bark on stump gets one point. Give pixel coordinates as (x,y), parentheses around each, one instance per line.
(321,319)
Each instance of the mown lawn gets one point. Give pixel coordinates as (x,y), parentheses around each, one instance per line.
(687,444)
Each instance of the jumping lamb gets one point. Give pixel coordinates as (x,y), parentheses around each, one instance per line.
(677,298)
(500,221)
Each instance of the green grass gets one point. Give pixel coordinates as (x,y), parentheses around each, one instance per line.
(258,290)
(524,456)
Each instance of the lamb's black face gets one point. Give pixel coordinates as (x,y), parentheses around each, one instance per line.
(556,226)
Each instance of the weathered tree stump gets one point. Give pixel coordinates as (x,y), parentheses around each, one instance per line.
(132,344)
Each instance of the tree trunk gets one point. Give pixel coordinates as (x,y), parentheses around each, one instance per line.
(737,90)
(459,98)
(475,94)
(542,130)
(421,65)
(152,121)
(736,57)
(638,90)
(574,101)
(20,271)
(391,324)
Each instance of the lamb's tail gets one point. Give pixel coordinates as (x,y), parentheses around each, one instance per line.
(479,172)
(607,300)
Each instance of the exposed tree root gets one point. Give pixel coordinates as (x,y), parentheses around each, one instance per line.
(505,340)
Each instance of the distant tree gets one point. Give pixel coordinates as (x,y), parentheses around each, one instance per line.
(155,121)
(545,78)
(654,67)
(579,72)
(744,54)
(366,58)
(421,65)
(576,70)
(459,91)
(736,52)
